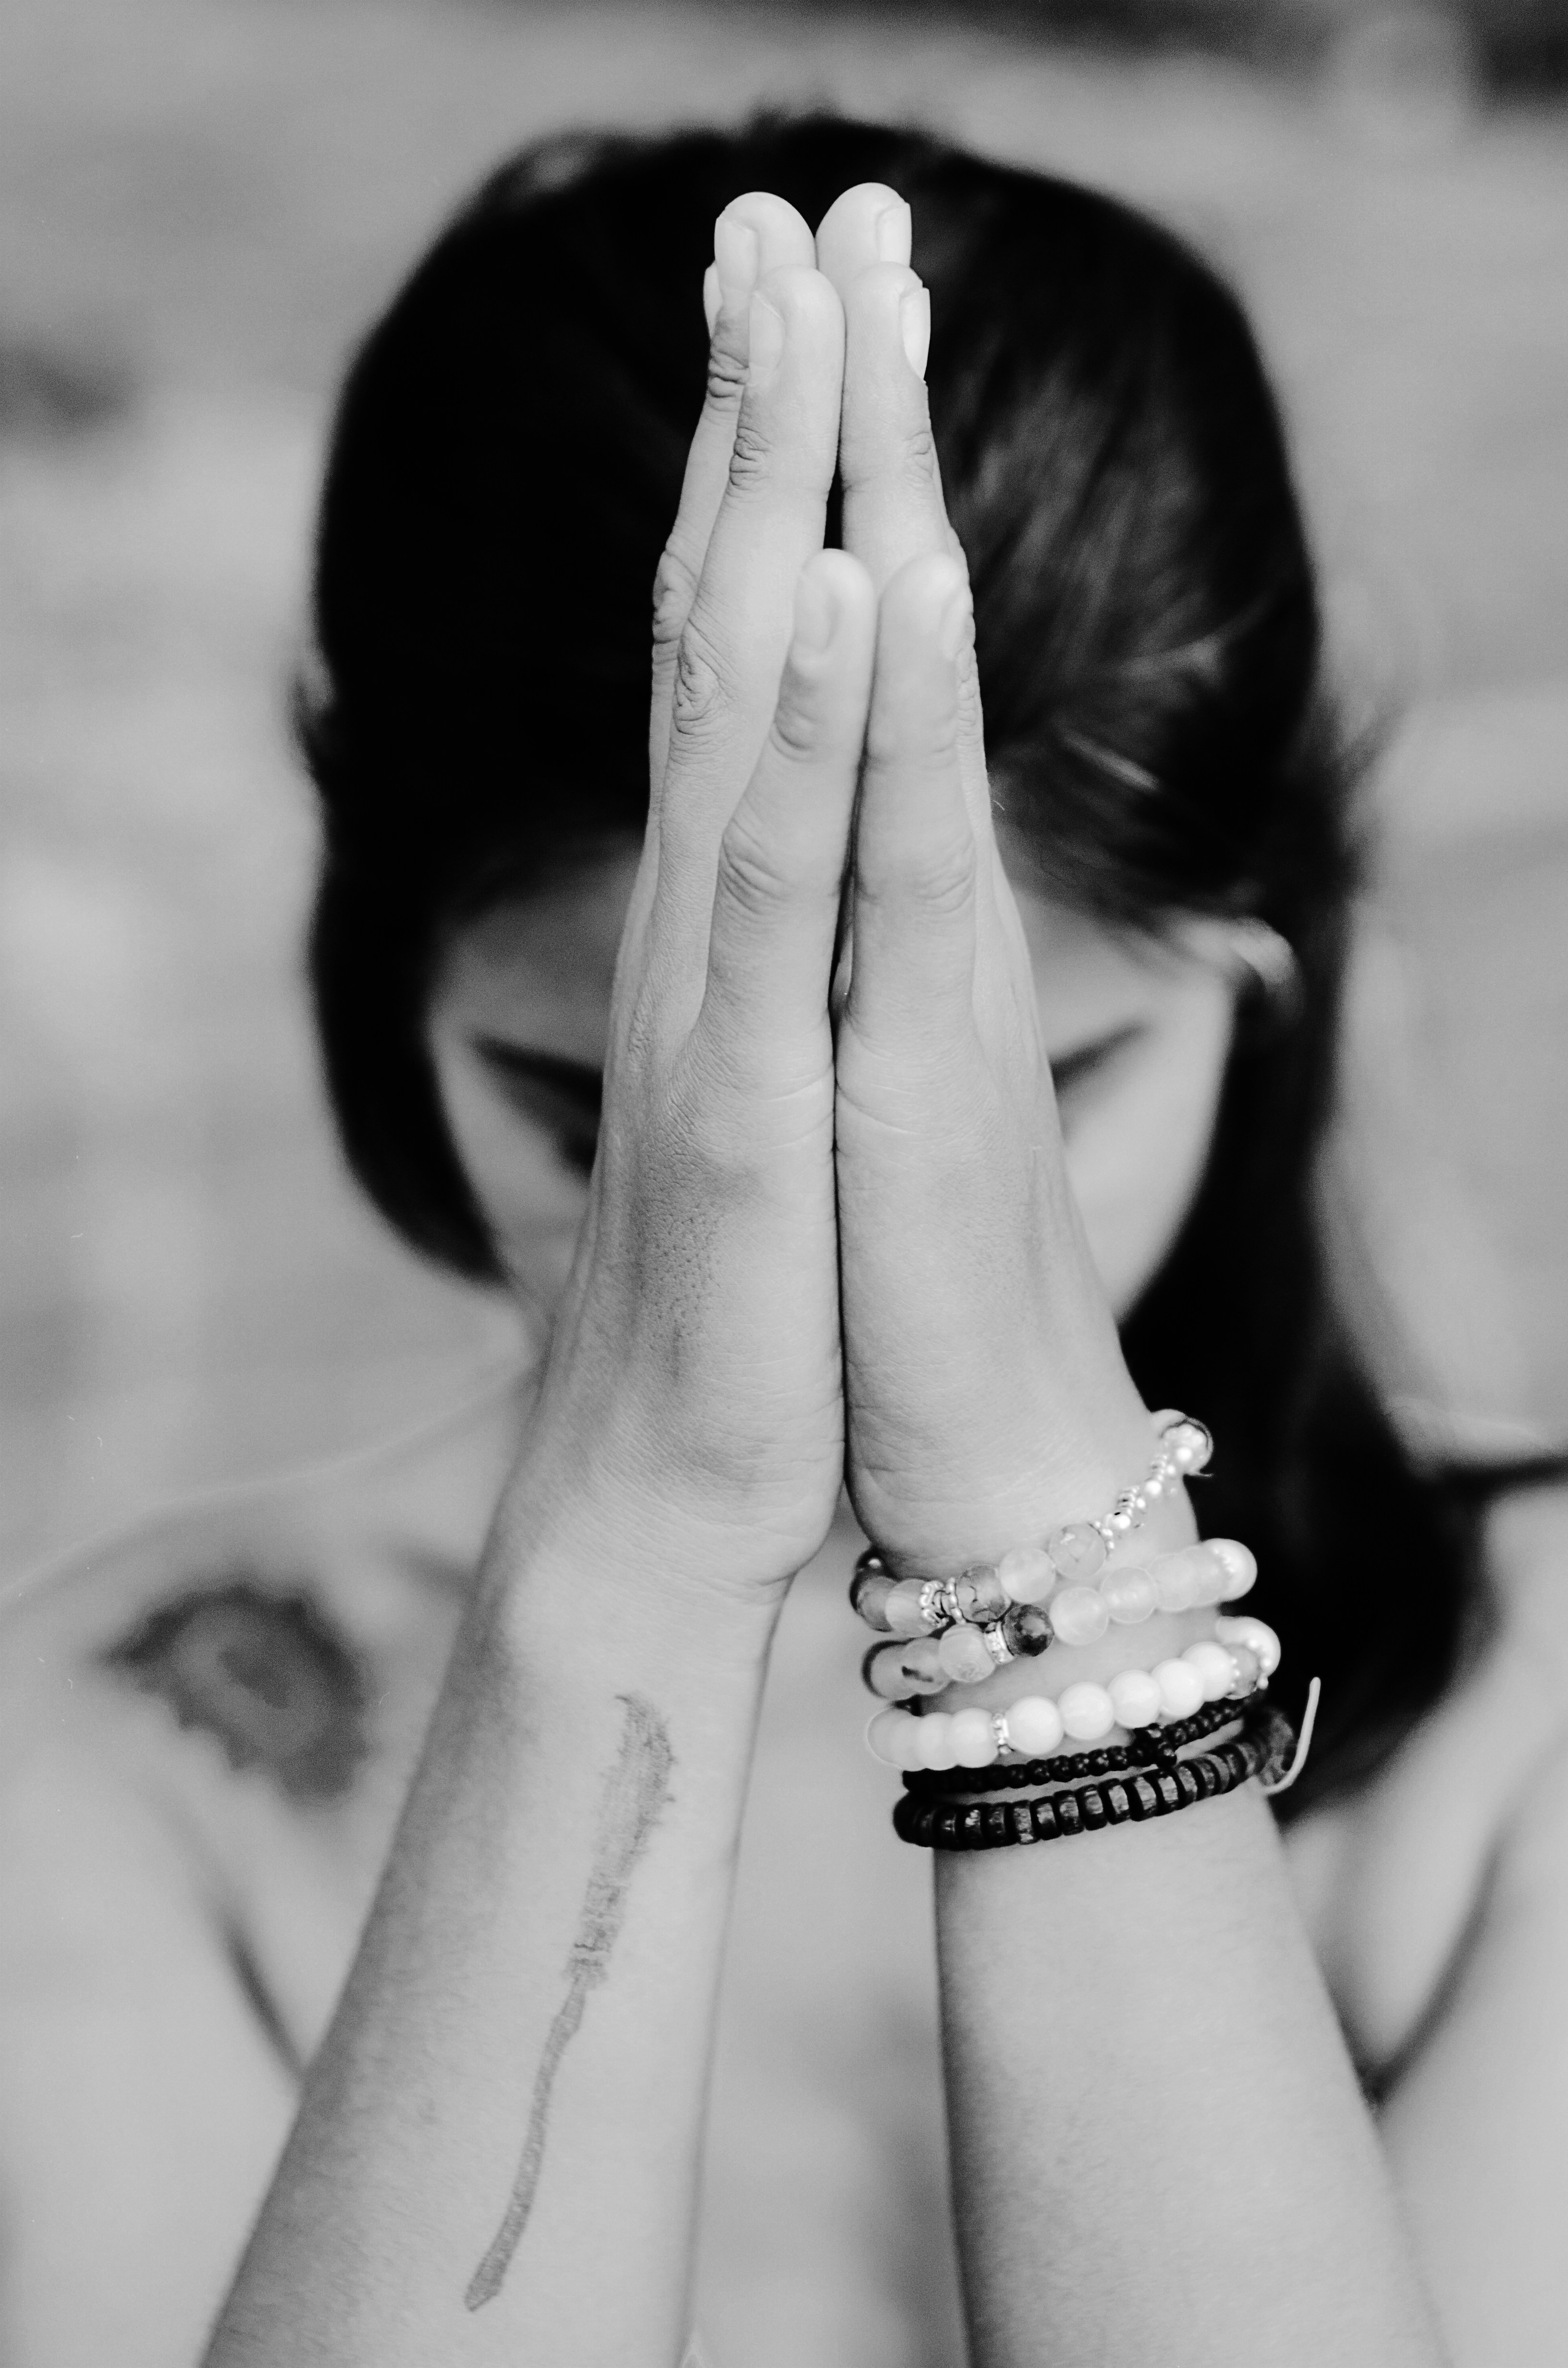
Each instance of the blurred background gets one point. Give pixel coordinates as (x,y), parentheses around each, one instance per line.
(202,201)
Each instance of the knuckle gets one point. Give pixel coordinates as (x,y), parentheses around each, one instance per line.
(751,462)
(938,876)
(752,875)
(700,702)
(726,375)
(915,455)
(675,588)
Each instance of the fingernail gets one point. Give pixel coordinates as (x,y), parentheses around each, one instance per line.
(817,616)
(915,326)
(736,259)
(892,231)
(766,341)
(957,622)
(712,298)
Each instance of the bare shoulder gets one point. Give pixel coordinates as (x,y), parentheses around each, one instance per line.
(256,1672)
(1396,1881)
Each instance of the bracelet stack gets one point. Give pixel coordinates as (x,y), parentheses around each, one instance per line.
(945,1632)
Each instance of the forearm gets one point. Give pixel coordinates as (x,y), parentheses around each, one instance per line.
(497,2152)
(1159,2147)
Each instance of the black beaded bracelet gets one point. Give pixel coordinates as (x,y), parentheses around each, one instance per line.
(1152,1747)
(1264,1746)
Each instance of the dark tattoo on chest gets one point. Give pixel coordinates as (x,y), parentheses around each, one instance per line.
(636,1791)
(267,1675)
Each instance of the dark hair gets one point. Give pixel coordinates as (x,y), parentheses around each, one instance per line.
(505,468)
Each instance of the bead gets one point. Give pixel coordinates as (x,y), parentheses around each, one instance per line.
(1027,1574)
(1154,1486)
(964,1655)
(1238,1563)
(1207,1574)
(868,1592)
(1174,1580)
(1077,1550)
(1256,1633)
(1216,1669)
(1034,1726)
(1188,1444)
(1086,1712)
(1247,1666)
(894,1738)
(1129,1596)
(937,1602)
(1135,1698)
(979,1595)
(1079,1614)
(1027,1629)
(936,1739)
(904,1610)
(911,1666)
(975,1744)
(1181,1688)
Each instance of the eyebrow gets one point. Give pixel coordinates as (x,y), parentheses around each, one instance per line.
(578,1083)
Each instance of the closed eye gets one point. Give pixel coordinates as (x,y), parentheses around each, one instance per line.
(560,1096)
(1085,1061)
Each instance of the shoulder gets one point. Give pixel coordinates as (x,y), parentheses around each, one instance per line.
(283,1638)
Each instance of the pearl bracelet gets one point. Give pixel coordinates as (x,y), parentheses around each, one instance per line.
(1242,1655)
(1152,1747)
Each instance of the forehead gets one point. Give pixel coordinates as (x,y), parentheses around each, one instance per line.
(542,966)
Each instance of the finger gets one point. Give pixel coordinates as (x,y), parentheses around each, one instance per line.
(869,223)
(915,902)
(768,525)
(894,509)
(756,234)
(893,504)
(781,859)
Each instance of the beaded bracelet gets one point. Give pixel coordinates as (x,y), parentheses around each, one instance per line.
(1218,1571)
(1077,1551)
(956,1631)
(1153,1747)
(1263,1747)
(1229,1664)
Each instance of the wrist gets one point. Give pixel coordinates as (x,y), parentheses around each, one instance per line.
(932,1524)
(571,1576)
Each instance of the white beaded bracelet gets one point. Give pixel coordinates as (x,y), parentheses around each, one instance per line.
(1242,1654)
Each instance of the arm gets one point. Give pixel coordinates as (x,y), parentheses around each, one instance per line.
(497,2155)
(1159,2149)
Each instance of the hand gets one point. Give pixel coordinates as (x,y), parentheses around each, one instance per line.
(693,1378)
(987,1397)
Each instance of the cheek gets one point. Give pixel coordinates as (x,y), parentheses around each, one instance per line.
(1136,1158)
(535,1203)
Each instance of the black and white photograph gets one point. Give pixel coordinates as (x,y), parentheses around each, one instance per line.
(783,1184)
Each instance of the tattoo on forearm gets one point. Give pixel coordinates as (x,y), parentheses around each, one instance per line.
(636,1791)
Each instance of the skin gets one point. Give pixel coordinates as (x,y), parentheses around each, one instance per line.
(530,2011)
(1135,1031)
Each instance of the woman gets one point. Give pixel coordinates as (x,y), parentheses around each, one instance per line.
(933,1184)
